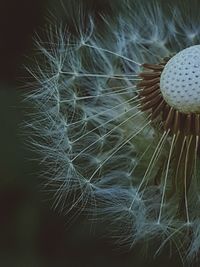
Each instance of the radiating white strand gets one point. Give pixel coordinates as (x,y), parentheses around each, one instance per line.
(118,148)
(174,231)
(180,156)
(195,157)
(103,112)
(159,145)
(119,92)
(98,75)
(166,176)
(113,53)
(85,149)
(140,158)
(106,122)
(185,180)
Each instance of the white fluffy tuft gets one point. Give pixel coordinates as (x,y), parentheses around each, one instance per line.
(100,150)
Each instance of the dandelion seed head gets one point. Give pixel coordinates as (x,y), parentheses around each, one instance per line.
(117,122)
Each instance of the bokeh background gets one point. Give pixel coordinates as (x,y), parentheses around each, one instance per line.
(31,232)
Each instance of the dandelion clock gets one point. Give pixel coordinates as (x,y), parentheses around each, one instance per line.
(117,121)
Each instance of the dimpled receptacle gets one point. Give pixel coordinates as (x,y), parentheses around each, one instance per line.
(180,80)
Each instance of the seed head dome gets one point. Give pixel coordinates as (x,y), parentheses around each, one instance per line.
(180,80)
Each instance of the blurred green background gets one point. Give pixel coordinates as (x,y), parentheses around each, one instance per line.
(31,232)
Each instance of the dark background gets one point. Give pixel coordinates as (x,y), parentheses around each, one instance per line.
(31,232)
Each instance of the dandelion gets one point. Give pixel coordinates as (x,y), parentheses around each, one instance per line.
(118,122)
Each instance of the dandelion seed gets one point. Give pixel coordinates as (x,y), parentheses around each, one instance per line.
(118,123)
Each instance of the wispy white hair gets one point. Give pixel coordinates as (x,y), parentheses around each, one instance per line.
(100,150)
